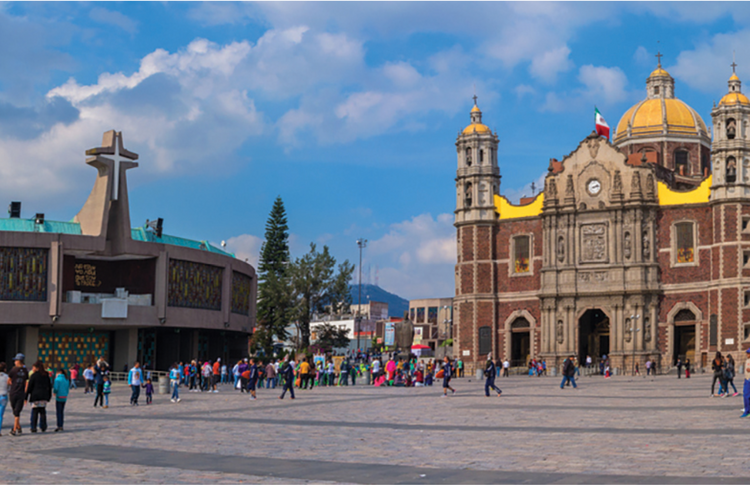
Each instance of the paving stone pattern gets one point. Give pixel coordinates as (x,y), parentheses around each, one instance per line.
(621,430)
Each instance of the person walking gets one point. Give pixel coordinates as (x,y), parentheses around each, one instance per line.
(287,374)
(107,391)
(4,381)
(717,365)
(729,373)
(61,388)
(149,386)
(174,381)
(568,372)
(99,371)
(447,374)
(38,394)
(252,379)
(679,368)
(216,374)
(135,380)
(506,368)
(746,387)
(88,377)
(687,368)
(74,377)
(271,375)
(460,367)
(17,379)
(490,372)
(304,374)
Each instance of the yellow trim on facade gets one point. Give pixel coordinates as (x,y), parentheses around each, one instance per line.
(510,211)
(698,195)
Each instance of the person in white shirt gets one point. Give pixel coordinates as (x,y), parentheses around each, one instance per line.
(375,370)
(506,368)
(746,389)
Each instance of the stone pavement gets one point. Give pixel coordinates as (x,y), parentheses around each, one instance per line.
(621,430)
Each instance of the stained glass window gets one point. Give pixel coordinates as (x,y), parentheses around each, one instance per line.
(194,285)
(521,253)
(685,243)
(420,315)
(432,314)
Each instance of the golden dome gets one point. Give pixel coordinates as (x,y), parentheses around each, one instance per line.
(647,118)
(475,109)
(734,77)
(659,71)
(734,98)
(476,127)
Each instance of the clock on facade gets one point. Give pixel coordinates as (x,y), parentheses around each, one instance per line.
(594,187)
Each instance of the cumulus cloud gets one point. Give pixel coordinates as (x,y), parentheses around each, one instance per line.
(599,85)
(417,256)
(706,67)
(245,247)
(549,64)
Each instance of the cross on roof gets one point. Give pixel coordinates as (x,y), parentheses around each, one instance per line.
(659,55)
(116,158)
(475,100)
(733,64)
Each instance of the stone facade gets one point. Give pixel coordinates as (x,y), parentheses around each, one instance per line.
(625,254)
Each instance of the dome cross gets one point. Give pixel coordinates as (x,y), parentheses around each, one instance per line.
(658,56)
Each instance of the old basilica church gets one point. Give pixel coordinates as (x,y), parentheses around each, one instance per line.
(637,249)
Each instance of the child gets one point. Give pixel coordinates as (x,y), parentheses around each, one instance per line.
(149,391)
(60,387)
(107,390)
(607,375)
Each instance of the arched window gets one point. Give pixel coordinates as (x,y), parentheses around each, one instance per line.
(685,247)
(468,157)
(481,156)
(656,89)
(520,323)
(521,252)
(467,194)
(731,174)
(485,340)
(681,165)
(684,315)
(731,128)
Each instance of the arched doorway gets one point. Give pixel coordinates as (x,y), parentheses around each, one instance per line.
(593,335)
(684,336)
(520,342)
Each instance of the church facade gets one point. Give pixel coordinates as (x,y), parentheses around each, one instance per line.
(637,249)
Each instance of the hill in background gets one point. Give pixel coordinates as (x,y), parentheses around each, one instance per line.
(396,305)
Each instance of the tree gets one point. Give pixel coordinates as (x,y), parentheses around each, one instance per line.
(274,293)
(316,284)
(330,336)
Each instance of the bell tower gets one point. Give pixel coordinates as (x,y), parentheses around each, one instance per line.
(730,151)
(478,175)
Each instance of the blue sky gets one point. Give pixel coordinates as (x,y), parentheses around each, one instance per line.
(349,111)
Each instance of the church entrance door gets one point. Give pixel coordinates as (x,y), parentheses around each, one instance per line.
(520,342)
(684,343)
(593,335)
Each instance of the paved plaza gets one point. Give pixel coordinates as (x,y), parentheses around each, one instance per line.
(622,430)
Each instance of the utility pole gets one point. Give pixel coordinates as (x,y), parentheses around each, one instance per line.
(362,243)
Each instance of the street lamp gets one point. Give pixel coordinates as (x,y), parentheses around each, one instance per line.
(362,243)
(634,331)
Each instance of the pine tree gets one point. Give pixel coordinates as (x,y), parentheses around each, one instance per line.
(274,292)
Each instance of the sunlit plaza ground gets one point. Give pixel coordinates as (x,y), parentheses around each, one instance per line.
(622,430)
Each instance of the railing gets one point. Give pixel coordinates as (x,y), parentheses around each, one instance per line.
(123,376)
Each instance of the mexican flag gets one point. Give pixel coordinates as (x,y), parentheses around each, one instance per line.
(602,128)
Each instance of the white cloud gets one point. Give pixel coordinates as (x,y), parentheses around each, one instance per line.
(600,85)
(549,64)
(417,256)
(706,67)
(246,247)
(110,17)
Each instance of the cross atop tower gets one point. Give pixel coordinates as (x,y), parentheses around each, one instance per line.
(658,56)
(475,99)
(733,64)
(112,149)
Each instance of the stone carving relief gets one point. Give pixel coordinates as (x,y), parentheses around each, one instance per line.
(617,183)
(636,184)
(627,331)
(646,242)
(551,189)
(650,191)
(627,245)
(593,144)
(561,249)
(559,332)
(569,192)
(594,243)
(592,276)
(646,330)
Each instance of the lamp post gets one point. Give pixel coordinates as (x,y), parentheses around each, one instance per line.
(634,331)
(362,243)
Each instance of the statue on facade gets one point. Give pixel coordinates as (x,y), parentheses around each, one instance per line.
(617,184)
(650,190)
(404,334)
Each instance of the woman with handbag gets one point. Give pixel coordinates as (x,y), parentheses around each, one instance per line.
(38,394)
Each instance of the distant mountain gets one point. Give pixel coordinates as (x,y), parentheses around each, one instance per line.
(396,305)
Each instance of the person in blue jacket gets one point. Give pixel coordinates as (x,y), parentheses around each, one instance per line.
(135,380)
(61,388)
(490,373)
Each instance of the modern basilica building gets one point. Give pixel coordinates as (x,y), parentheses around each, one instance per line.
(637,249)
(96,287)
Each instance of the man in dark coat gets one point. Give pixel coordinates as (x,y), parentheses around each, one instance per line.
(490,372)
(569,372)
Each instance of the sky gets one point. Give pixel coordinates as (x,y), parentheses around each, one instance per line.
(348,111)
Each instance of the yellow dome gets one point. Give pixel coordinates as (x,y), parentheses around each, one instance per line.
(734,77)
(475,109)
(476,127)
(734,98)
(647,118)
(659,72)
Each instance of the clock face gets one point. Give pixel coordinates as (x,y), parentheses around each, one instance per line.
(594,187)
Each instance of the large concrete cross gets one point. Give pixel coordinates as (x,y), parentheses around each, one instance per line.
(117,159)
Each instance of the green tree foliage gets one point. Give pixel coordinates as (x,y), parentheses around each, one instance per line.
(316,285)
(330,336)
(274,291)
